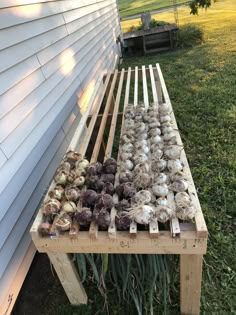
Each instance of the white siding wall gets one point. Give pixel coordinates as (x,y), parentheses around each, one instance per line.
(51,52)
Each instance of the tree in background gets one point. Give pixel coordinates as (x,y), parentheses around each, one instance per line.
(196,4)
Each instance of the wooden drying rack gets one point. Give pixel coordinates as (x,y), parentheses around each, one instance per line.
(189,240)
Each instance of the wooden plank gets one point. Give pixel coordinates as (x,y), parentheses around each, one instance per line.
(188,243)
(133,229)
(12,292)
(199,218)
(154,90)
(69,278)
(190,284)
(135,86)
(174,222)
(103,122)
(114,118)
(74,229)
(145,90)
(153,229)
(126,101)
(85,143)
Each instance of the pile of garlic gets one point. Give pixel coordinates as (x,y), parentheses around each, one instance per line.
(150,159)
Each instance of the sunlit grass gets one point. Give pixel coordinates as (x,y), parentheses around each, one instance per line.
(132,7)
(220,17)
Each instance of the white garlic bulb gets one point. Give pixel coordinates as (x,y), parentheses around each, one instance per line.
(172,152)
(165,118)
(179,185)
(155,132)
(161,178)
(162,202)
(182,200)
(164,108)
(175,165)
(144,214)
(160,190)
(163,213)
(187,213)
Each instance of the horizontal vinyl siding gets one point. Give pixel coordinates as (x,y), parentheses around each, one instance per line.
(61,48)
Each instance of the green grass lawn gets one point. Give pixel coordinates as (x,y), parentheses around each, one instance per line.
(202,86)
(132,7)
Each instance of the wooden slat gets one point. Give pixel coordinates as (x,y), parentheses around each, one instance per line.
(74,230)
(103,122)
(126,101)
(199,218)
(154,90)
(145,90)
(153,229)
(174,222)
(89,131)
(135,86)
(69,278)
(114,118)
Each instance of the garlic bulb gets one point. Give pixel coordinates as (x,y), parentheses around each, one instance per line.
(72,193)
(126,176)
(165,118)
(142,168)
(187,213)
(180,185)
(178,175)
(160,190)
(140,143)
(82,163)
(127,139)
(142,197)
(158,165)
(161,178)
(175,165)
(140,158)
(60,178)
(142,180)
(154,132)
(126,165)
(128,147)
(154,125)
(162,202)
(182,200)
(163,213)
(156,152)
(69,206)
(140,127)
(169,137)
(142,214)
(164,108)
(143,135)
(156,139)
(172,152)
(125,156)
(167,129)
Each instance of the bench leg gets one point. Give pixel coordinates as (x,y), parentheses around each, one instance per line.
(190,284)
(69,278)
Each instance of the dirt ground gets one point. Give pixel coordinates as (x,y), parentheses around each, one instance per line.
(39,286)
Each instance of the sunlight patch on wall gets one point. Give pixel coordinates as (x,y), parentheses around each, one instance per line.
(67,62)
(85,97)
(28,10)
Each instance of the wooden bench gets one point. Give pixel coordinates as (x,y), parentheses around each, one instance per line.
(189,240)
